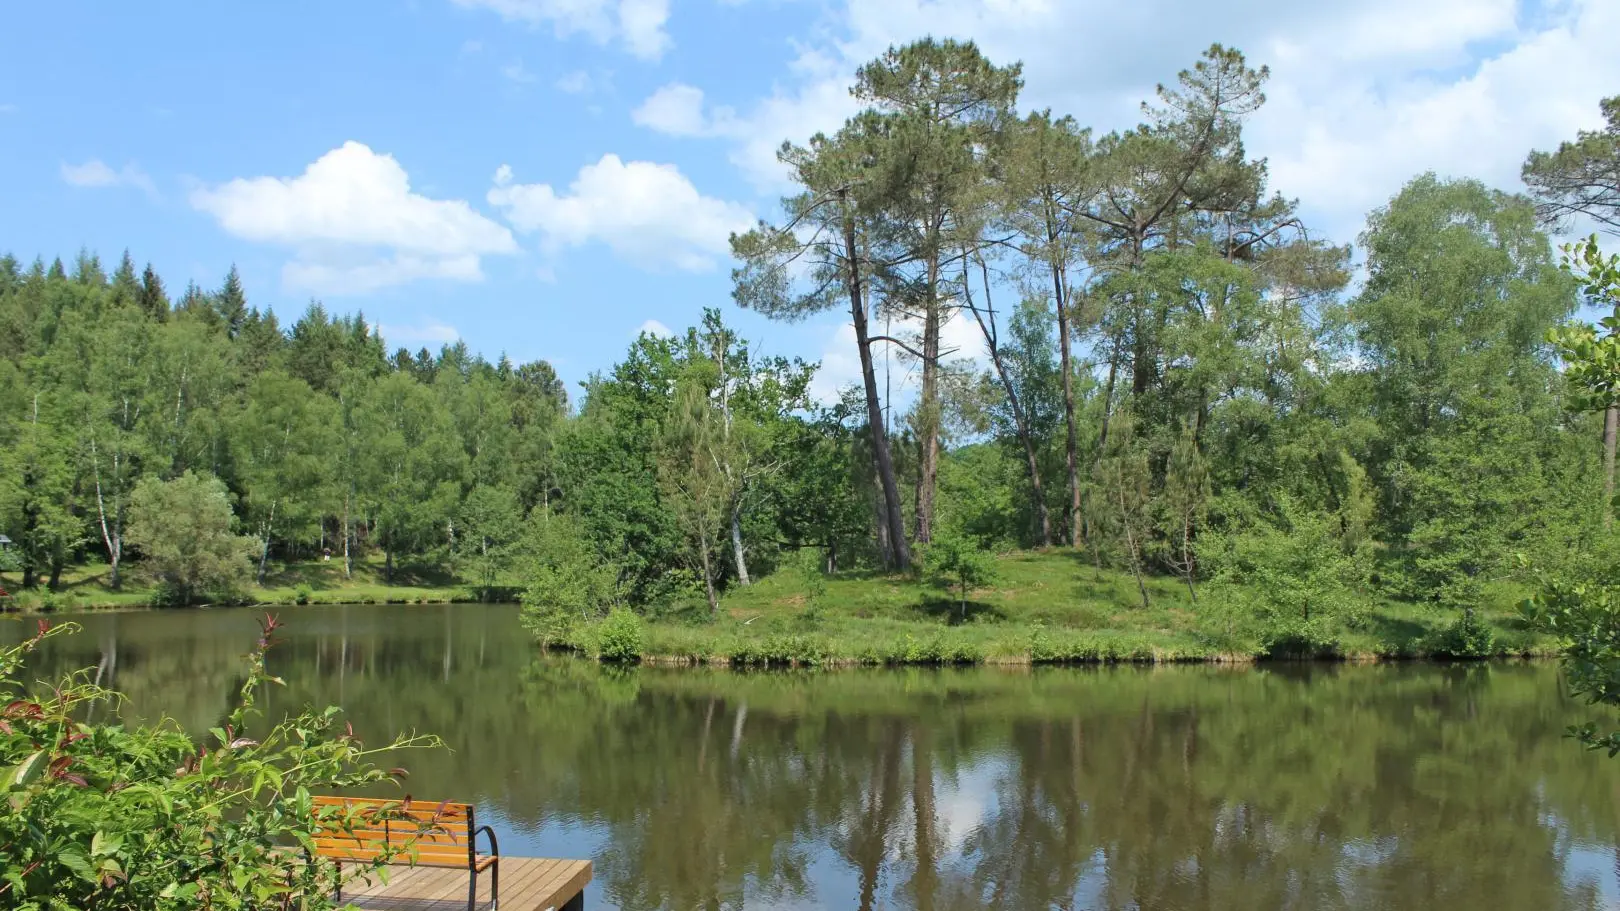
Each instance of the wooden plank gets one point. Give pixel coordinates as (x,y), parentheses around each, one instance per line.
(527,884)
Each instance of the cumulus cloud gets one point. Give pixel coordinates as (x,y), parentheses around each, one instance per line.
(430,332)
(96,173)
(355,224)
(655,328)
(676,110)
(1362,97)
(647,214)
(636,24)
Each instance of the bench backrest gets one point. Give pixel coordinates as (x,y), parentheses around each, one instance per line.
(362,828)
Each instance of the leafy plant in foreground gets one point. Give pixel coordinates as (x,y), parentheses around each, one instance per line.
(107,817)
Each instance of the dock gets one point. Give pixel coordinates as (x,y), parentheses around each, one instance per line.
(527,884)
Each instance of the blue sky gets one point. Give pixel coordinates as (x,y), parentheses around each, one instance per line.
(544,177)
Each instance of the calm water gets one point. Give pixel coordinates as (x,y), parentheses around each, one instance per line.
(1320,787)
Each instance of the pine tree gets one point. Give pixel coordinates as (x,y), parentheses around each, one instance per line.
(153,300)
(231,303)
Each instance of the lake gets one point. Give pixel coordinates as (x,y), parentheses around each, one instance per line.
(1399,786)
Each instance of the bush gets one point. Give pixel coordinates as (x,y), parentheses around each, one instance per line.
(1467,637)
(103,816)
(183,529)
(620,637)
(568,581)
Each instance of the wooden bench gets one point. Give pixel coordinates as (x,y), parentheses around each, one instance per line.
(416,833)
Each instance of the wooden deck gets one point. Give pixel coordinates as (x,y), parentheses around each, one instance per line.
(527,884)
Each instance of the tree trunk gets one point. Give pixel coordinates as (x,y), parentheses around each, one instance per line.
(708,575)
(348,535)
(928,410)
(1020,421)
(1611,424)
(388,559)
(1131,548)
(111,535)
(900,551)
(1071,445)
(264,553)
(737,545)
(58,562)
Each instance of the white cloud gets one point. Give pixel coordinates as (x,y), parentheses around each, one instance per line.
(648,214)
(677,110)
(577,82)
(822,104)
(355,225)
(517,72)
(96,173)
(1362,97)
(431,331)
(637,24)
(655,328)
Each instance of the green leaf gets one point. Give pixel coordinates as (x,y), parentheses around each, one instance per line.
(28,770)
(103,845)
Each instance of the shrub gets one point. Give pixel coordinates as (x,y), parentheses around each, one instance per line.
(620,637)
(1466,637)
(183,529)
(103,816)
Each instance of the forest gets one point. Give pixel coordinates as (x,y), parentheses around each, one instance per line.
(1183,388)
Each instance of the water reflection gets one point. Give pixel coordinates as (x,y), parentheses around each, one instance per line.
(1173,788)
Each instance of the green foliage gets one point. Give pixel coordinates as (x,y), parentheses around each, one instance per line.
(568,582)
(1295,571)
(619,636)
(104,816)
(1592,360)
(1585,616)
(183,529)
(953,558)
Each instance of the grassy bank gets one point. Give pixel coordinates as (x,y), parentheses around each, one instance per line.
(86,588)
(1045,608)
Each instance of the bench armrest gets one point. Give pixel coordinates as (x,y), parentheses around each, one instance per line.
(494,846)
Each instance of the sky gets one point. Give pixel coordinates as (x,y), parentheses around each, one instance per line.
(548,178)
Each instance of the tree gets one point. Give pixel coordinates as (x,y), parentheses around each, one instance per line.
(934,107)
(1183,506)
(955,558)
(284,439)
(492,526)
(1451,328)
(231,303)
(1581,177)
(184,531)
(692,475)
(568,581)
(1042,178)
(823,236)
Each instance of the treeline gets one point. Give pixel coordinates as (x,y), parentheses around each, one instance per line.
(1180,379)
(327,444)
(1184,379)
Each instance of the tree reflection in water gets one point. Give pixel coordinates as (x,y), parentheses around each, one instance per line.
(1297,786)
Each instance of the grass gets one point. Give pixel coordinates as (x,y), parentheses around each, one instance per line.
(86,587)
(1045,607)
(1048,607)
